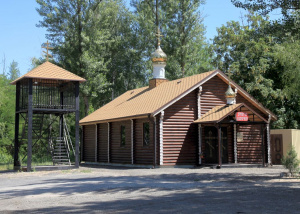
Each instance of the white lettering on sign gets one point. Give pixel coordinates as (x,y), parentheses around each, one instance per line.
(241,116)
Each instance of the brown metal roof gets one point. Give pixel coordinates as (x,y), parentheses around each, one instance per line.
(218,113)
(144,101)
(48,70)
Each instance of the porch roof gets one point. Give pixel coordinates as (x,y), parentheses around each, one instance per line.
(219,113)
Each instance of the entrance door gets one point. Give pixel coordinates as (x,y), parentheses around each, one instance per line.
(211,144)
(276,148)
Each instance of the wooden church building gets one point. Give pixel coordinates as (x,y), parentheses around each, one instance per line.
(200,119)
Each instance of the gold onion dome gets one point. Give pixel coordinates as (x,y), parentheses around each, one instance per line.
(158,55)
(230,93)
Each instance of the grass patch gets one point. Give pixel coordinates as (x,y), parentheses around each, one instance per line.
(86,171)
(45,163)
(6,166)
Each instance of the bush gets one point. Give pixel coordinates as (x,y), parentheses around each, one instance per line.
(5,157)
(291,161)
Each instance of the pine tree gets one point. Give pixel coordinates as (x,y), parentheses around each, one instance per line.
(291,162)
(14,71)
(181,23)
(64,21)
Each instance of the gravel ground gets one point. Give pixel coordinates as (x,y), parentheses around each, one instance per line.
(163,190)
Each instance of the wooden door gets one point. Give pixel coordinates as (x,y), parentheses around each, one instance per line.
(276,148)
(211,144)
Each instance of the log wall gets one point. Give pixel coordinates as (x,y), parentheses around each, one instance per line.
(102,142)
(118,153)
(143,154)
(213,94)
(250,149)
(180,134)
(89,143)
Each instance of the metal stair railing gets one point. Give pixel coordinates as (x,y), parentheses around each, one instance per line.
(67,134)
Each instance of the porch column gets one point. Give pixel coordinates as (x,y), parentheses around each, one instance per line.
(132,141)
(154,141)
(268,144)
(268,141)
(234,143)
(96,143)
(199,126)
(161,139)
(108,133)
(29,135)
(262,145)
(219,147)
(200,143)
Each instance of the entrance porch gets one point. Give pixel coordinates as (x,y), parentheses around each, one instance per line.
(224,138)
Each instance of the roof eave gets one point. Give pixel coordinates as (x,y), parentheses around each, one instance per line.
(114,119)
(43,78)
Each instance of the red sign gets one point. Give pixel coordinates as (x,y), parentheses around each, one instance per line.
(241,116)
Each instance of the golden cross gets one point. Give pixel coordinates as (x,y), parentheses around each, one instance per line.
(158,35)
(47,48)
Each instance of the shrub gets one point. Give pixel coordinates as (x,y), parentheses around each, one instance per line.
(291,161)
(5,157)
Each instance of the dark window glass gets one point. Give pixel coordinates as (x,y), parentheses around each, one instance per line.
(146,134)
(122,135)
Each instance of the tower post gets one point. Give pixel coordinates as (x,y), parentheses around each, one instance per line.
(29,135)
(77,124)
(17,164)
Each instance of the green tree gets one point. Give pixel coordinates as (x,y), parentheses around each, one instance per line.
(291,162)
(65,22)
(14,71)
(7,115)
(265,7)
(247,53)
(181,23)
(244,52)
(185,38)
(96,40)
(111,52)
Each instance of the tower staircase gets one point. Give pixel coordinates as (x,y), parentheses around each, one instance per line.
(60,152)
(59,147)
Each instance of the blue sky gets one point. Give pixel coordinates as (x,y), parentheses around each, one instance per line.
(21,40)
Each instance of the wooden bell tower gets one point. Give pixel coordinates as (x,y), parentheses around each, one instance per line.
(46,90)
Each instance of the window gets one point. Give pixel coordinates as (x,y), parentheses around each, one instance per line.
(123,138)
(146,134)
